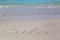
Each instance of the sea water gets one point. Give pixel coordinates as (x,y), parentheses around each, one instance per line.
(28,13)
(5,2)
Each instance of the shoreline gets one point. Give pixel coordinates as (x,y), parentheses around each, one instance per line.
(29,18)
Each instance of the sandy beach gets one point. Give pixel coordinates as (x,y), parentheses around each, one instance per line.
(30,30)
(29,23)
(29,20)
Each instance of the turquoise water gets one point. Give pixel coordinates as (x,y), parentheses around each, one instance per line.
(27,1)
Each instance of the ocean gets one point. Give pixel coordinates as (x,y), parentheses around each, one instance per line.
(24,2)
(31,12)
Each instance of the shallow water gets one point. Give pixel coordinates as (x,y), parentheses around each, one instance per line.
(27,13)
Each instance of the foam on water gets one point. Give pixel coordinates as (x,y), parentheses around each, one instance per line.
(30,6)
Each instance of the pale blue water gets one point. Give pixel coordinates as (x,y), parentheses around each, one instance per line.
(29,13)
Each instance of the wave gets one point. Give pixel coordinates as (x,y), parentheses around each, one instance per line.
(37,6)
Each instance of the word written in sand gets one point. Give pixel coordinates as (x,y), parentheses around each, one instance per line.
(15,31)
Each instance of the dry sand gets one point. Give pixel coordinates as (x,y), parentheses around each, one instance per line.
(30,30)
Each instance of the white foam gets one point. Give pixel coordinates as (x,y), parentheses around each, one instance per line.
(48,7)
(4,6)
(31,6)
